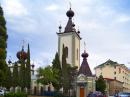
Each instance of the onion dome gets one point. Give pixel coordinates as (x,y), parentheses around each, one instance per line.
(73,25)
(9,61)
(60,27)
(85,55)
(78,32)
(70,13)
(33,66)
(84,68)
(22,54)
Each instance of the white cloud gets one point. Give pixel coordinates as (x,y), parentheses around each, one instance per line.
(52,7)
(123,18)
(14,8)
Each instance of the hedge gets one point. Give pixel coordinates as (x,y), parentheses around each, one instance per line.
(15,95)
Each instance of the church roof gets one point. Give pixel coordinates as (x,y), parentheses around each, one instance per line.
(84,68)
(70,25)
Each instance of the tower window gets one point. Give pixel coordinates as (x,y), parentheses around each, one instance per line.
(66,51)
(119,70)
(77,54)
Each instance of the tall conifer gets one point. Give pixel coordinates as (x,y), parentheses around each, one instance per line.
(16,76)
(65,73)
(3,45)
(28,69)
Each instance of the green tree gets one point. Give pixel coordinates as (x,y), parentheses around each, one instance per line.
(3,45)
(100,84)
(56,66)
(47,76)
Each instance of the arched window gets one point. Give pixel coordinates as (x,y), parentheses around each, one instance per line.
(66,50)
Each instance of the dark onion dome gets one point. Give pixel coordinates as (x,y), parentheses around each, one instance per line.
(84,68)
(73,25)
(22,55)
(70,13)
(84,55)
(78,31)
(60,27)
(33,66)
(9,61)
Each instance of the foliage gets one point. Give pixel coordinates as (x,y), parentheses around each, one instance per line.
(68,73)
(28,69)
(65,73)
(3,45)
(15,76)
(8,75)
(22,74)
(19,94)
(47,75)
(56,62)
(57,66)
(58,94)
(100,84)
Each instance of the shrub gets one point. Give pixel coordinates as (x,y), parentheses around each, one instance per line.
(58,94)
(15,95)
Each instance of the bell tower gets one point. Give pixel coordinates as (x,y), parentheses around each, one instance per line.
(70,38)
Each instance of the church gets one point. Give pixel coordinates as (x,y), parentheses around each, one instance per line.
(70,39)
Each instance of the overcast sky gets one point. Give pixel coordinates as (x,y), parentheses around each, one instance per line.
(104,26)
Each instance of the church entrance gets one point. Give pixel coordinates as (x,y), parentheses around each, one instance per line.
(81,92)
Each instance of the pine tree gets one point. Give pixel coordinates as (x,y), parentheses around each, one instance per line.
(3,45)
(100,84)
(57,66)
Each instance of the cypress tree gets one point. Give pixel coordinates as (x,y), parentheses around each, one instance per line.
(8,79)
(28,69)
(22,72)
(65,73)
(16,76)
(3,45)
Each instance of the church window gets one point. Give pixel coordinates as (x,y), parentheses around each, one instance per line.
(119,70)
(66,51)
(77,54)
